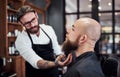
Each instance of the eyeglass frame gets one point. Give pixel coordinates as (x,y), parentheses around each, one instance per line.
(28,23)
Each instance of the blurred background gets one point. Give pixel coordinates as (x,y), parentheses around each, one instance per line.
(60,14)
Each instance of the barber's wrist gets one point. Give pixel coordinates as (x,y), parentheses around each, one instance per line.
(56,63)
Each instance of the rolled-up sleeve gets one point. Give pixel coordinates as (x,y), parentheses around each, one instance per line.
(25,49)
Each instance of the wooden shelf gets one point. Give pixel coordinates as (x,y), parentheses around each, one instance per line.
(13,62)
(14,57)
(14,23)
(21,0)
(11,39)
(18,0)
(12,10)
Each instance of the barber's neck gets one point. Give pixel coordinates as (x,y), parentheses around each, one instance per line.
(38,33)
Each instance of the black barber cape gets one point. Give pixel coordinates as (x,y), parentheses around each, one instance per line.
(86,65)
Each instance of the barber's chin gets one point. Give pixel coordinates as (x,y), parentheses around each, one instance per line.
(35,32)
(35,29)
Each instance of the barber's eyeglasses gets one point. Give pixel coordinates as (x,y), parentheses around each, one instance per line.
(27,24)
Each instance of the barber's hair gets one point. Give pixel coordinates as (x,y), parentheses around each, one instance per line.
(23,10)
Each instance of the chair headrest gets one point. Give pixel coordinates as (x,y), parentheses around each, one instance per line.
(110,66)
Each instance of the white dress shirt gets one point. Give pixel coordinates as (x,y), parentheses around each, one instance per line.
(24,45)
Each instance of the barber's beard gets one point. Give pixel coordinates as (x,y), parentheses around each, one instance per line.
(69,46)
(32,31)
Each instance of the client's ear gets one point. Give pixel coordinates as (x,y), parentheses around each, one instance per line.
(82,39)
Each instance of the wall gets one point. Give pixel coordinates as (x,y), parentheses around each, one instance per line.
(55,18)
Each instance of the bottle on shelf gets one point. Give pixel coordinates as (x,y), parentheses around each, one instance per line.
(12,50)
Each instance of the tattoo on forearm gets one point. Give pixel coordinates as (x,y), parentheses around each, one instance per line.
(43,64)
(46,64)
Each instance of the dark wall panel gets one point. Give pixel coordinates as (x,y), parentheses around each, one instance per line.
(55,18)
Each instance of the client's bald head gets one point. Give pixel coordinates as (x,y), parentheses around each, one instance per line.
(90,27)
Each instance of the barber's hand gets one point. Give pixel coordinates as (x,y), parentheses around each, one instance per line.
(61,60)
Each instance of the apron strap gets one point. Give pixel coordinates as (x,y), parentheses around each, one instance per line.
(44,32)
(30,37)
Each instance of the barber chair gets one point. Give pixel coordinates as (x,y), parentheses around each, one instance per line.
(110,67)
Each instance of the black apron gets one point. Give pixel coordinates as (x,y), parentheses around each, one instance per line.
(46,52)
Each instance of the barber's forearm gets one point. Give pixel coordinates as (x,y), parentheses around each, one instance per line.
(59,62)
(44,64)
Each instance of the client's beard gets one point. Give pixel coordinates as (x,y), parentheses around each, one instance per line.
(69,46)
(31,31)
